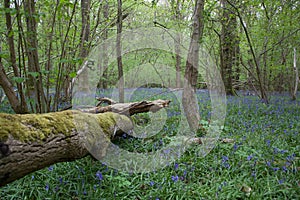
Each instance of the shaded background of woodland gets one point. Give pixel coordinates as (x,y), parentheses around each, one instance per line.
(43,44)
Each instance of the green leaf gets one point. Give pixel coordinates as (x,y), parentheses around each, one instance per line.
(73,74)
(64,60)
(34,74)
(18,79)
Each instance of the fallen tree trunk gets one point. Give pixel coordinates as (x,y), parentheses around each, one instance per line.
(128,108)
(34,141)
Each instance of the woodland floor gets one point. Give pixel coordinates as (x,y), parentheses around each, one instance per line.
(263,162)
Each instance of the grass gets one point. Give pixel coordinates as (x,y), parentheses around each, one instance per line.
(262,162)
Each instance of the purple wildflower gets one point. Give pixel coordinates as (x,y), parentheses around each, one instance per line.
(176,166)
(175,178)
(152,183)
(99,175)
(50,168)
(249,157)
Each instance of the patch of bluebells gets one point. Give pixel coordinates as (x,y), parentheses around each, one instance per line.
(268,132)
(225,162)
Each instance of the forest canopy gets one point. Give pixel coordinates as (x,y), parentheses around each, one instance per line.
(44,44)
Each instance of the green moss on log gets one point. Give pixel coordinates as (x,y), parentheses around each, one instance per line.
(37,127)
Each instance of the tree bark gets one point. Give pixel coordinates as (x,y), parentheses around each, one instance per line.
(9,91)
(10,41)
(34,141)
(84,38)
(35,76)
(228,46)
(129,108)
(31,142)
(191,70)
(103,82)
(294,95)
(119,53)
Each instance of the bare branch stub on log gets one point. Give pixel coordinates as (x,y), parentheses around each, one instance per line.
(128,108)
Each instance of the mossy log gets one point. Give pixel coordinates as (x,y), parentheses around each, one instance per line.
(34,141)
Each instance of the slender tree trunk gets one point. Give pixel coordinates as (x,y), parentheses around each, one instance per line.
(294,95)
(178,61)
(228,46)
(49,50)
(13,60)
(178,18)
(119,53)
(189,98)
(36,79)
(9,92)
(84,38)
(104,80)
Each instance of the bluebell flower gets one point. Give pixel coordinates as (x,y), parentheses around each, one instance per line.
(47,187)
(175,178)
(152,183)
(284,168)
(276,168)
(226,165)
(283,151)
(50,168)
(99,175)
(235,146)
(176,166)
(249,157)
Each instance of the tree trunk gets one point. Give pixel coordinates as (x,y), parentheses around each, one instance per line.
(35,76)
(294,95)
(119,53)
(189,98)
(176,5)
(34,141)
(228,46)
(9,91)
(13,59)
(104,78)
(84,38)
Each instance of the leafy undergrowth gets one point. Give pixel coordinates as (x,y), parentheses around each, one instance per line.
(262,162)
